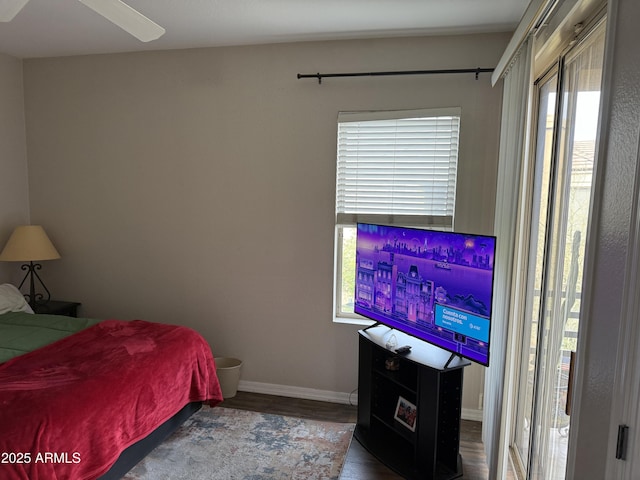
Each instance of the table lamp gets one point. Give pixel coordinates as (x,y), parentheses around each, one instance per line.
(30,243)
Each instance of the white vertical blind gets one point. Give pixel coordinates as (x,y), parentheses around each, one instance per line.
(499,376)
(403,167)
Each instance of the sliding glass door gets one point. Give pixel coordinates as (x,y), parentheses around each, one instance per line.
(544,155)
(568,99)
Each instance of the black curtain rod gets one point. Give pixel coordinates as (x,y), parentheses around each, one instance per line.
(320,76)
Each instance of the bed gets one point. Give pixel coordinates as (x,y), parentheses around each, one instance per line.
(87,399)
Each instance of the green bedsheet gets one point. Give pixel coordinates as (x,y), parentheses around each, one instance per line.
(23,332)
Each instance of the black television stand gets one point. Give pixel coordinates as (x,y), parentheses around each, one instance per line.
(409,405)
(451,358)
(373,325)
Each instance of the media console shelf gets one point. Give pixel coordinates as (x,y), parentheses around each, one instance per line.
(409,416)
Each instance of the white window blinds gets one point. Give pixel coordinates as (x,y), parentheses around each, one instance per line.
(397,167)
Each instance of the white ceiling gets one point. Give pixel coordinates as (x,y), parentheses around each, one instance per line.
(47,28)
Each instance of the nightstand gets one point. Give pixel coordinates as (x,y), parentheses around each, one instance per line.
(55,307)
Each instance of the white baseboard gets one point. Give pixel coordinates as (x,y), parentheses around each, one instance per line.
(324,395)
(471,414)
(298,392)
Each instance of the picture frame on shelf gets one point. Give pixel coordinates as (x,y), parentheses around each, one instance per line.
(406,413)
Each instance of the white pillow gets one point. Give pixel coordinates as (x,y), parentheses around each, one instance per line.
(11,300)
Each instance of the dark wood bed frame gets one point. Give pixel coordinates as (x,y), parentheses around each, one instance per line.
(136,452)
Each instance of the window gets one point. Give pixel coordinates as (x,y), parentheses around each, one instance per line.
(568,110)
(394,168)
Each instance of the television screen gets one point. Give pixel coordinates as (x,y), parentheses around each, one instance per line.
(434,285)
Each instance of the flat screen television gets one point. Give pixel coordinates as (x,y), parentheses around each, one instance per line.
(436,286)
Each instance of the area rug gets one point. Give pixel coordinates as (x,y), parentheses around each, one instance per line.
(229,444)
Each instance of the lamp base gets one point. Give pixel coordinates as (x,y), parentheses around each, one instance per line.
(32,297)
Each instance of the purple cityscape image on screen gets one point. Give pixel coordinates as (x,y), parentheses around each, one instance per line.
(434,285)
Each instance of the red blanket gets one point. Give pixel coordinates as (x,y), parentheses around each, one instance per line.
(68,410)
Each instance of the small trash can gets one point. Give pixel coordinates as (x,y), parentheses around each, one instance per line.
(228,370)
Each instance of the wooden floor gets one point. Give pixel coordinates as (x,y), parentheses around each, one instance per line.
(360,464)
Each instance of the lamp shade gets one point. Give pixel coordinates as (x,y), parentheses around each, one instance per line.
(29,243)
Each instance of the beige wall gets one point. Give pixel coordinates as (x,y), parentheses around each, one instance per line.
(197,186)
(14,192)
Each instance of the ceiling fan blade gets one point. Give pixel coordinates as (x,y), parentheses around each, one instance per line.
(127,18)
(10,8)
